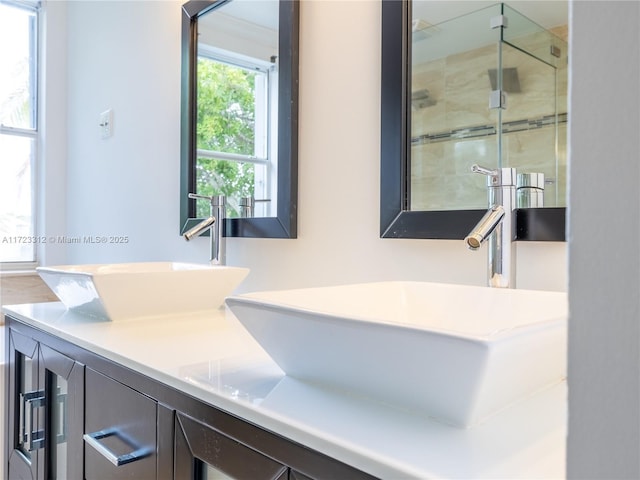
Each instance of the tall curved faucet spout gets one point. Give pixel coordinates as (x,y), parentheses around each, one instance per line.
(199,229)
(485,227)
(213,223)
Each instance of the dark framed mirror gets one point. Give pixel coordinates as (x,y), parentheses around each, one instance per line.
(397,217)
(274,214)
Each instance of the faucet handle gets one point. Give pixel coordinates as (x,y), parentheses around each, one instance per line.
(500,177)
(475,168)
(199,197)
(215,200)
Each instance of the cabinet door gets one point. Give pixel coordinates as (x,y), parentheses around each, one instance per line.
(62,381)
(46,410)
(120,430)
(203,453)
(24,404)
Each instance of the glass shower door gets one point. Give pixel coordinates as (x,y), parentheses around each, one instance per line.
(488,87)
(452,123)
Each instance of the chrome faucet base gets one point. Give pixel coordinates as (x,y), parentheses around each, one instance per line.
(497,226)
(215,224)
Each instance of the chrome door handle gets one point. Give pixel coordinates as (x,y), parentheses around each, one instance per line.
(93,439)
(61,435)
(31,439)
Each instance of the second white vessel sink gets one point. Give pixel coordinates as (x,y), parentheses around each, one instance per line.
(453,352)
(131,290)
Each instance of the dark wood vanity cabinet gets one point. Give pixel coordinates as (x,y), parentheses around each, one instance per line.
(202,452)
(76,415)
(45,398)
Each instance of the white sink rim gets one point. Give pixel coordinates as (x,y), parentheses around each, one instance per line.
(276,299)
(93,269)
(119,291)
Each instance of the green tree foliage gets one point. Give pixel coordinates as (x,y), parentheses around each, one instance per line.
(222,177)
(226,119)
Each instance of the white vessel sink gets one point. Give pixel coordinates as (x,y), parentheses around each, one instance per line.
(453,352)
(131,290)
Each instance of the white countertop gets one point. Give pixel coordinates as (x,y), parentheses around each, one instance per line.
(211,357)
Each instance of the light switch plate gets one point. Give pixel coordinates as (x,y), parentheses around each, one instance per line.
(106,123)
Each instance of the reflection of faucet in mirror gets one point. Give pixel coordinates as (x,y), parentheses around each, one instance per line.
(214,222)
(497,226)
(247,206)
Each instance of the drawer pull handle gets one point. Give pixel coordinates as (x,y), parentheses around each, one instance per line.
(94,438)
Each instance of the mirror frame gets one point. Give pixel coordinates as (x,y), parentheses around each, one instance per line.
(285,223)
(396,220)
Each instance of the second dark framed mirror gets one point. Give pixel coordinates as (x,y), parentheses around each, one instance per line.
(400,214)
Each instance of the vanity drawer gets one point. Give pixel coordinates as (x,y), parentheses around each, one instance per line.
(120,430)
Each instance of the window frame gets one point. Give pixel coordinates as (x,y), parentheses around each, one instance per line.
(265,151)
(33,133)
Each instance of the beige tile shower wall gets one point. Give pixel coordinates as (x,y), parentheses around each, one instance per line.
(561,31)
(538,44)
(537,96)
(441,178)
(460,85)
(440,170)
(563,70)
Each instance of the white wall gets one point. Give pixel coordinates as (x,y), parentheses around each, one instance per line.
(604,273)
(125,55)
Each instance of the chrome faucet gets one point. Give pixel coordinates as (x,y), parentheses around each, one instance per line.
(214,223)
(497,226)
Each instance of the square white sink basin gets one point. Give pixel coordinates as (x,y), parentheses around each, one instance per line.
(131,290)
(456,353)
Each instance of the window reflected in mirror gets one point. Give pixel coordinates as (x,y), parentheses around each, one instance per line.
(237,98)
